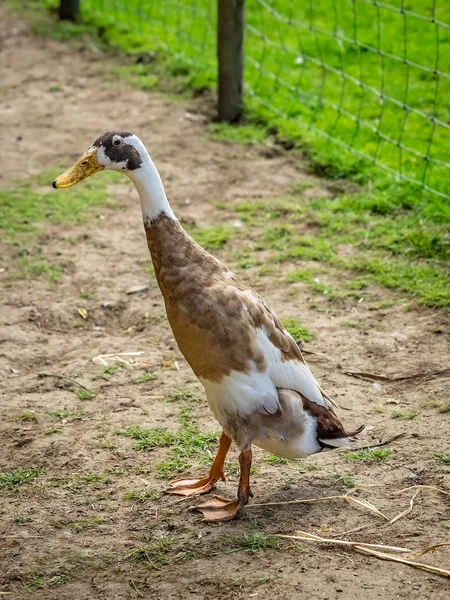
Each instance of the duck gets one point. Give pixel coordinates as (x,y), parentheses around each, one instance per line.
(257,383)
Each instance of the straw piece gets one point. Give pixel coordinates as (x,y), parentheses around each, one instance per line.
(407,511)
(373,550)
(363,503)
(441,545)
(405,561)
(355,529)
(125,358)
(423,487)
(309,537)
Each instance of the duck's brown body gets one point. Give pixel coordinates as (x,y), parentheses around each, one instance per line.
(257,383)
(214,317)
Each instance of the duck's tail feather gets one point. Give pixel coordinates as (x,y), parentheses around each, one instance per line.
(341,441)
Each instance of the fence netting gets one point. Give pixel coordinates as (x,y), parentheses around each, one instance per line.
(361,79)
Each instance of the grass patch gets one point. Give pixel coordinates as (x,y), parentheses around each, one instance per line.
(21,519)
(443,457)
(346,481)
(33,269)
(238,134)
(275,460)
(108,371)
(145,378)
(52,429)
(298,331)
(153,556)
(255,542)
(374,455)
(213,238)
(30,206)
(87,523)
(398,232)
(83,393)
(141,497)
(62,414)
(186,446)
(11,479)
(78,482)
(189,445)
(407,415)
(351,324)
(148,439)
(29,415)
(302,103)
(36,580)
(183,396)
(25,210)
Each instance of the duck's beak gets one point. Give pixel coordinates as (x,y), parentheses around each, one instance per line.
(86,166)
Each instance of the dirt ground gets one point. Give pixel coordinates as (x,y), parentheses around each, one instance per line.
(71,533)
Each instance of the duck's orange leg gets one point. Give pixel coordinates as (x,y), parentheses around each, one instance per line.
(221,509)
(188,487)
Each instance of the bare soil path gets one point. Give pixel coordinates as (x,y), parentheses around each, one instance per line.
(87,526)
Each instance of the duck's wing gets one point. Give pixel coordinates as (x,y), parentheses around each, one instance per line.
(286,365)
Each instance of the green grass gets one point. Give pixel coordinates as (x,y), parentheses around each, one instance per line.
(244,134)
(145,377)
(212,238)
(87,522)
(187,446)
(108,371)
(344,480)
(78,482)
(141,497)
(298,331)
(255,542)
(10,479)
(28,207)
(275,460)
(21,519)
(183,396)
(398,233)
(357,221)
(443,457)
(29,415)
(153,556)
(52,429)
(289,92)
(407,415)
(148,439)
(369,455)
(36,580)
(62,414)
(83,393)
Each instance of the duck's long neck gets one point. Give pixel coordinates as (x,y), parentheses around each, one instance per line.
(151,190)
(174,253)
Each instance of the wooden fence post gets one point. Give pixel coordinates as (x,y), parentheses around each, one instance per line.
(230,38)
(68,9)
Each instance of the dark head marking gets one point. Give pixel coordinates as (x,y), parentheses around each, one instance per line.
(117,149)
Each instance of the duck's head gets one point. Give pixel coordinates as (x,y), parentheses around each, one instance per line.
(114,150)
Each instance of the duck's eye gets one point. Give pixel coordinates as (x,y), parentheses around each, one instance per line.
(84,163)
(117,142)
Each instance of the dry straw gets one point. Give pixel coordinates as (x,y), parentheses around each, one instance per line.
(380,551)
(362,503)
(373,550)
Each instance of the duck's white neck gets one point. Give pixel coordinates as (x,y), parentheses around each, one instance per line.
(149,186)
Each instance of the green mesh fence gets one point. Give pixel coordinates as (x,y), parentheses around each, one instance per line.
(363,81)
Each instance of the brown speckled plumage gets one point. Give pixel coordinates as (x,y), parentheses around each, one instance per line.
(204,303)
